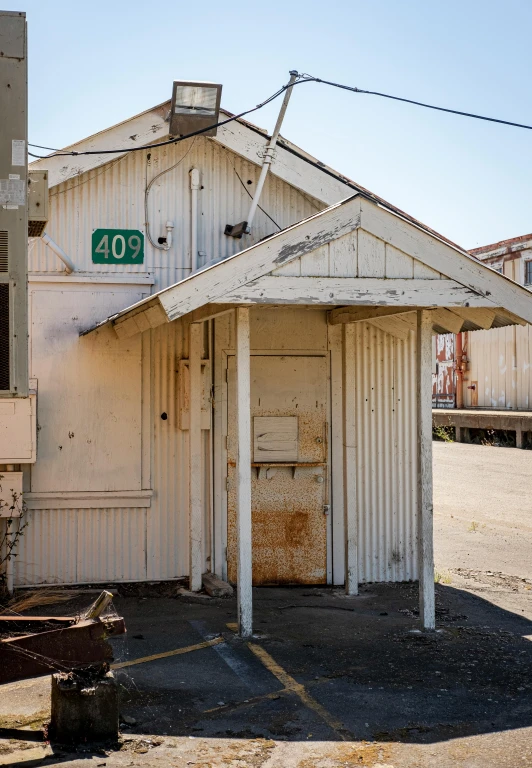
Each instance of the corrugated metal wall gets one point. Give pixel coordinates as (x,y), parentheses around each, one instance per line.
(385,389)
(167,535)
(127,544)
(499,366)
(113,197)
(82,545)
(71,545)
(98,545)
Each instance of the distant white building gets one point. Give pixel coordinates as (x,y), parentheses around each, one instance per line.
(512,258)
(490,369)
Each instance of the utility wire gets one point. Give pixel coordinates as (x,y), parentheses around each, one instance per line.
(61,153)
(305,78)
(310,78)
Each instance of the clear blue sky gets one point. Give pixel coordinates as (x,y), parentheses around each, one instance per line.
(95,64)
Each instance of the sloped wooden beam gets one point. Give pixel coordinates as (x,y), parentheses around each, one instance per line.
(398,326)
(446,321)
(478,315)
(208,312)
(148,316)
(362,314)
(510,315)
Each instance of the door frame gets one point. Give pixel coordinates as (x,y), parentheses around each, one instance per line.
(334,443)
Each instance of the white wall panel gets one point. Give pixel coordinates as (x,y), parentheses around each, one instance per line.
(89,392)
(384,391)
(499,363)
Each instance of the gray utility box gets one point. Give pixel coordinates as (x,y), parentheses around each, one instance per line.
(37,202)
(13,206)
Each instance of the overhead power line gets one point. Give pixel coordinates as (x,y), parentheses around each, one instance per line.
(304,78)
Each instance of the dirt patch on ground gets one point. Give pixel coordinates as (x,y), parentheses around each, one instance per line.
(493,579)
(35,721)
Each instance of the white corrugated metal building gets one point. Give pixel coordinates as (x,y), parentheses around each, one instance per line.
(290,379)
(490,369)
(499,360)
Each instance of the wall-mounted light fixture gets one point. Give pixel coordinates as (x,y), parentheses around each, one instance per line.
(194,106)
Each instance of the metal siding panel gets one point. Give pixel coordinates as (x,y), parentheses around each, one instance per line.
(113,197)
(69,546)
(384,390)
(168,516)
(499,360)
(47,549)
(111,545)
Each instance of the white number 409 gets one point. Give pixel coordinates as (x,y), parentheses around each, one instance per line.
(118,246)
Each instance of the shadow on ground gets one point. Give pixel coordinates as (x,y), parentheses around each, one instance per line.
(323,666)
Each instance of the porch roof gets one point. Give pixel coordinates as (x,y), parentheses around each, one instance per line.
(357,253)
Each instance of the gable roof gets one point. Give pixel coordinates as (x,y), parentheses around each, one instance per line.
(261,273)
(290,163)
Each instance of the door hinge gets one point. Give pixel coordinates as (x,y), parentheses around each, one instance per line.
(226,483)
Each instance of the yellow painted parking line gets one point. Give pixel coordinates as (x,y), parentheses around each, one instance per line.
(290,684)
(177,652)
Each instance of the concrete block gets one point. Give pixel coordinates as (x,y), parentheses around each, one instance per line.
(84,709)
(215,586)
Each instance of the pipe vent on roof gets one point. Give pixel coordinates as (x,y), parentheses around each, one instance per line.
(4,262)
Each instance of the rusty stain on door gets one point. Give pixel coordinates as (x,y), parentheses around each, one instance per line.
(289,527)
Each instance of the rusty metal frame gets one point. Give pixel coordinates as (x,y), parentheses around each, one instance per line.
(72,645)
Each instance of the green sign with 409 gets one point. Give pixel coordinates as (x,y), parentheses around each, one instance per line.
(117,246)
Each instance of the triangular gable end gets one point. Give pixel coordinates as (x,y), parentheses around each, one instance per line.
(353,253)
(357,254)
(385,247)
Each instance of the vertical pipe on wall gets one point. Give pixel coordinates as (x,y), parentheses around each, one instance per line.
(350,490)
(424,468)
(194,187)
(195,457)
(243,475)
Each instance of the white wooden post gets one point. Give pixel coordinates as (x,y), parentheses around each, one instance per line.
(243,475)
(194,441)
(350,501)
(424,468)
